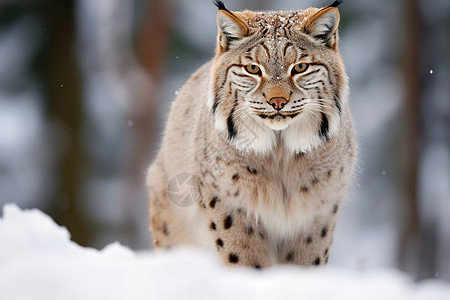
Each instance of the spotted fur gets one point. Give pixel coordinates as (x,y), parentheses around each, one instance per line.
(265,131)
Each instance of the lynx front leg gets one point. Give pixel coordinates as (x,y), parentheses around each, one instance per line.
(311,247)
(238,237)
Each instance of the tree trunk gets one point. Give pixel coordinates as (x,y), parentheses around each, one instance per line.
(63,102)
(410,245)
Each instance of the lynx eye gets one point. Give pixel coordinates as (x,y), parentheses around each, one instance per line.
(253,69)
(299,68)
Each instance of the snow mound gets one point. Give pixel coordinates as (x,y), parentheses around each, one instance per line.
(38,261)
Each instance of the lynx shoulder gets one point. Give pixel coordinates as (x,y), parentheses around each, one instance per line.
(259,147)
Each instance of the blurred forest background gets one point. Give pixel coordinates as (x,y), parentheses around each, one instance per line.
(85,87)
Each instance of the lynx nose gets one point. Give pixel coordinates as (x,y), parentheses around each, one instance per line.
(277,102)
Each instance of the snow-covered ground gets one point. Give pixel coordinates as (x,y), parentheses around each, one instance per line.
(38,261)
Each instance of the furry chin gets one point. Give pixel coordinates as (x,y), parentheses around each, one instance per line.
(277,125)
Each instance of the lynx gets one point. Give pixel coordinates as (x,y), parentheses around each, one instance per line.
(264,137)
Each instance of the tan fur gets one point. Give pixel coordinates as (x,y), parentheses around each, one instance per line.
(266,188)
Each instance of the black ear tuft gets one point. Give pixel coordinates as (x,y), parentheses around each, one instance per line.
(334,4)
(220,5)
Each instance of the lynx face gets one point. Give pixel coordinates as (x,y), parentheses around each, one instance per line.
(278,77)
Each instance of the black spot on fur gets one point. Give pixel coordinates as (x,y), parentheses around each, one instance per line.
(317,261)
(324,127)
(326,252)
(342,170)
(232,131)
(228,222)
(215,104)
(290,256)
(338,104)
(324,231)
(314,181)
(304,189)
(261,235)
(329,173)
(249,230)
(309,240)
(257,266)
(236,194)
(335,208)
(165,229)
(235,176)
(219,243)
(213,202)
(299,155)
(233,258)
(213,226)
(251,171)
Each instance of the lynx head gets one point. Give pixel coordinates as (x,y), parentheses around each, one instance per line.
(278,77)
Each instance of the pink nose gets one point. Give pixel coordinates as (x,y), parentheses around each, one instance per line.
(277,102)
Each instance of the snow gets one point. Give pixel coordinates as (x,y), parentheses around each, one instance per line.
(38,261)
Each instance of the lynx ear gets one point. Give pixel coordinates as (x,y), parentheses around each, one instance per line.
(231,28)
(323,25)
